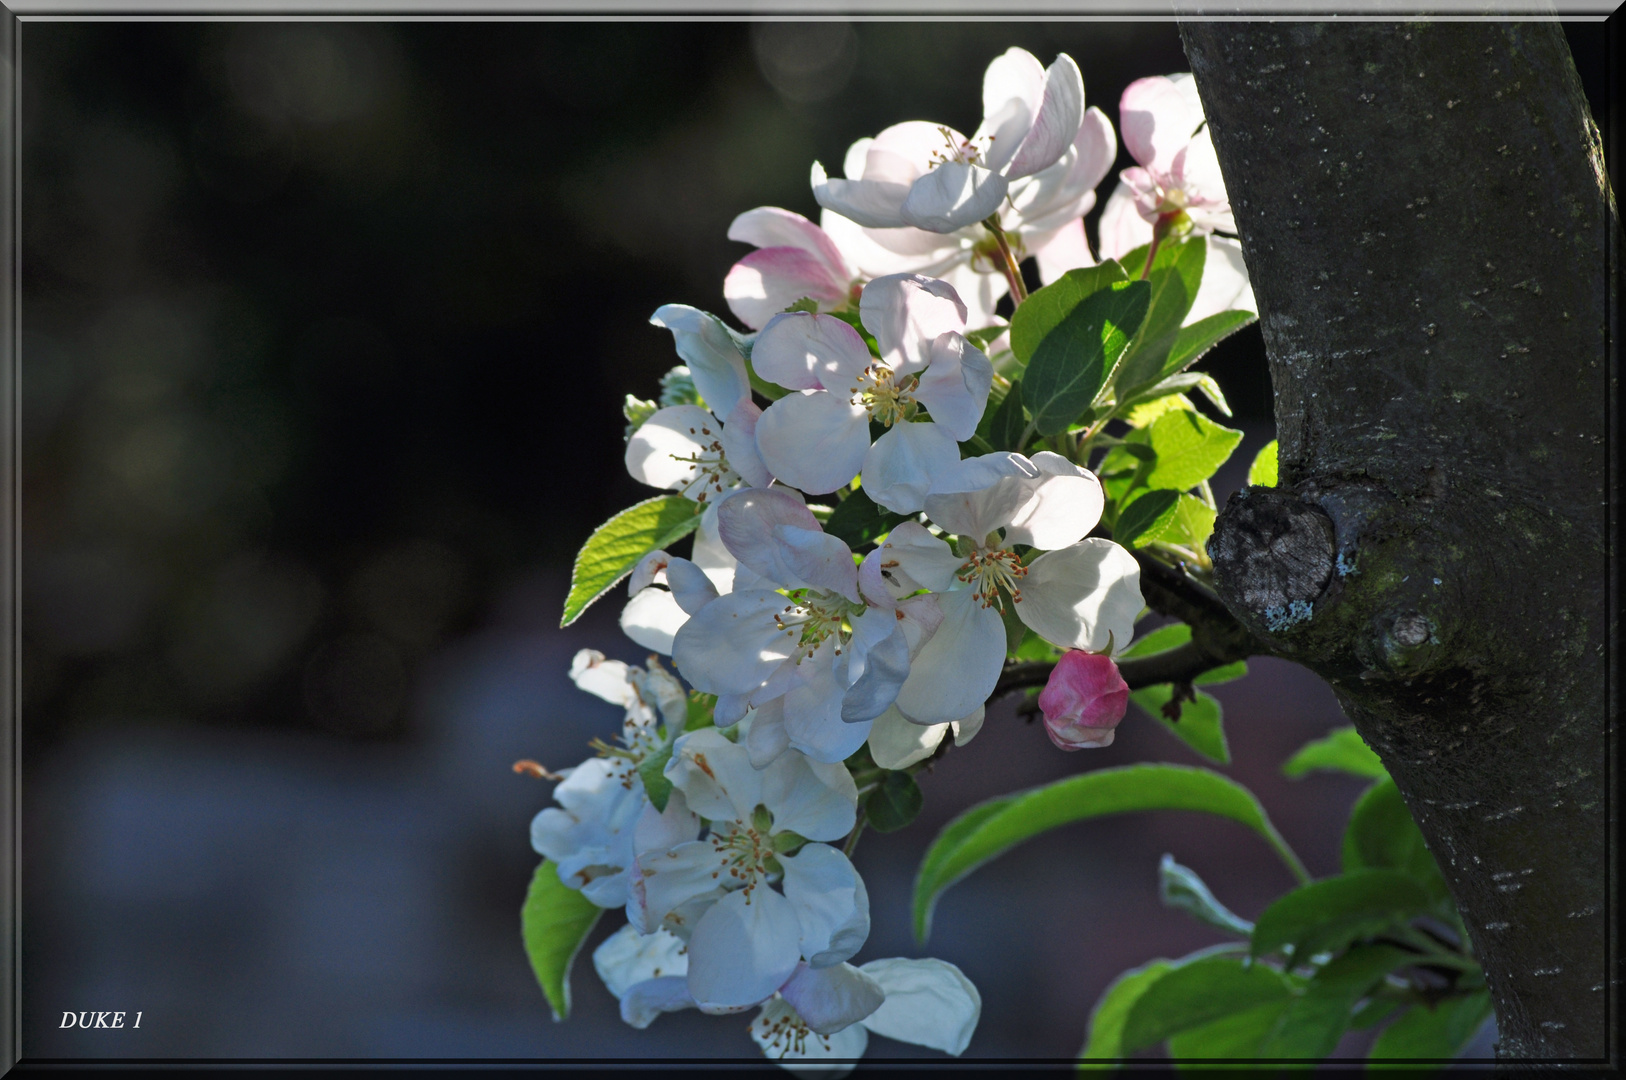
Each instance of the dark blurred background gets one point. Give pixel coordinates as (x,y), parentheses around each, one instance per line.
(325,333)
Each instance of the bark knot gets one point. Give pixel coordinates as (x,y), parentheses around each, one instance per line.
(1273,557)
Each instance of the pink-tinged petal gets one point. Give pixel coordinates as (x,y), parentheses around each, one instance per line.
(647,571)
(646,1000)
(902,153)
(1083,597)
(1198,173)
(1083,701)
(868,202)
(814,441)
(878,252)
(1057,123)
(652,619)
(771,227)
(817,559)
(1097,148)
(955,385)
(1157,121)
(958,668)
(899,467)
(714,359)
(1012,89)
(1122,229)
(769,280)
(1058,513)
(745,523)
(739,438)
(1225,285)
(832,998)
(732,644)
(950,197)
(1067,249)
(743,949)
(803,351)
(928,1002)
(906,313)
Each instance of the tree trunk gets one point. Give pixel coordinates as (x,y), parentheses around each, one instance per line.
(1426,219)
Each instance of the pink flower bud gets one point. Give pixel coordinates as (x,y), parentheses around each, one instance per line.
(1083,701)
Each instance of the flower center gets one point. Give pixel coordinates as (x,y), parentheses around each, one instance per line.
(813,615)
(712,473)
(885,399)
(783,1032)
(743,851)
(964,153)
(990,569)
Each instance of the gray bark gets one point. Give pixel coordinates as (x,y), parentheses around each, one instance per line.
(1426,219)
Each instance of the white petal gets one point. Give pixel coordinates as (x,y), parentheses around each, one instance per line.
(958,668)
(1084,596)
(980,290)
(739,440)
(647,571)
(652,619)
(880,668)
(742,950)
(813,708)
(803,351)
(902,153)
(770,226)
(950,197)
(607,679)
(1057,122)
(955,386)
(1058,512)
(1067,249)
(912,559)
(966,728)
(878,252)
(815,441)
(1121,228)
(1156,120)
(714,359)
(1225,285)
(920,618)
(646,1000)
(658,830)
(928,1003)
(820,560)
(678,884)
(832,998)
(627,957)
(654,453)
(868,202)
(785,1041)
(831,903)
(810,798)
(906,313)
(767,738)
(899,468)
(715,776)
(773,532)
(690,586)
(732,645)
(967,499)
(1015,73)
(896,742)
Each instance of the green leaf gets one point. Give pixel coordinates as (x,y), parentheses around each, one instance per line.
(1045,309)
(859,520)
(990,829)
(1191,524)
(1210,388)
(1199,994)
(1107,1021)
(1382,834)
(616,546)
(1177,272)
(554,922)
(894,804)
(1262,473)
(1204,334)
(1016,631)
(1341,750)
(651,771)
(1071,364)
(1240,1035)
(1190,448)
(1145,518)
(1200,726)
(1314,1021)
(1326,915)
(701,712)
(1438,1033)
(1007,423)
(1180,887)
(983,337)
(1175,635)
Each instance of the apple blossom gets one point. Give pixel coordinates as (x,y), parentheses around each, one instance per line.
(1084,700)
(819,439)
(795,259)
(745,939)
(1080,593)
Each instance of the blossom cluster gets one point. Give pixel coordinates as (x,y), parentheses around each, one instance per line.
(865,554)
